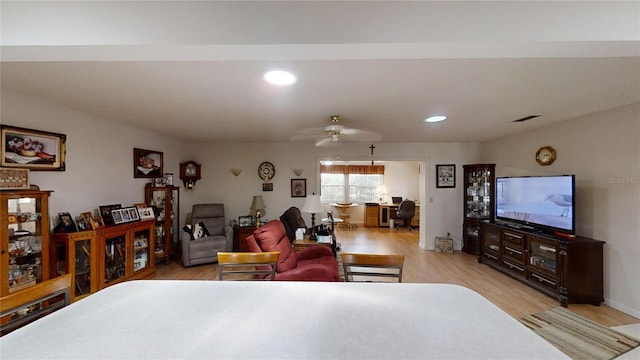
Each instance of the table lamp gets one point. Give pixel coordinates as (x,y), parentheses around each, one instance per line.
(313,206)
(257,208)
(381,190)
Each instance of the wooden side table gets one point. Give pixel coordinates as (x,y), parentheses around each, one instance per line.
(305,243)
(240,234)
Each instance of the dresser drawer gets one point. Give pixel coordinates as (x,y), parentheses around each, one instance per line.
(545,281)
(512,266)
(515,239)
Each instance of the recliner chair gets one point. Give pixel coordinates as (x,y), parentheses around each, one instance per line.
(315,263)
(205,249)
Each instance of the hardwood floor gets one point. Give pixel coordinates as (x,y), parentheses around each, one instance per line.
(459,268)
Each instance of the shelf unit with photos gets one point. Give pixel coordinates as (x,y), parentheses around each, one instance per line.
(479,188)
(165,200)
(104,256)
(24,239)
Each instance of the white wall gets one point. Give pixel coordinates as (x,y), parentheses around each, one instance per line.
(603,151)
(99,160)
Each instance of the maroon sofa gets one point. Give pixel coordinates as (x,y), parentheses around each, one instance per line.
(315,263)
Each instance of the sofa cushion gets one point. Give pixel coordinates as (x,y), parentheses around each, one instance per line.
(207,246)
(199,230)
(273,237)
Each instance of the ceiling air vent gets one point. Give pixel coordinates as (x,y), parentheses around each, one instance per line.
(526,118)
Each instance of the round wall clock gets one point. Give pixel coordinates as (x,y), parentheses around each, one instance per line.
(546,155)
(266,171)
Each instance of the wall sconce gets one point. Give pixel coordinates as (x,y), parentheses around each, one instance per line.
(298,172)
(236,172)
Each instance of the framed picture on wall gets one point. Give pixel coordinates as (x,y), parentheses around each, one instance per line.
(446,176)
(298,187)
(32,149)
(147,164)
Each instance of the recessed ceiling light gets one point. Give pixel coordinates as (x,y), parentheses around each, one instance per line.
(279,77)
(436,118)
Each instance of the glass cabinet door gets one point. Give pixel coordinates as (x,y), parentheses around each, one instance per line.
(543,255)
(115,258)
(478,194)
(141,253)
(82,268)
(25,245)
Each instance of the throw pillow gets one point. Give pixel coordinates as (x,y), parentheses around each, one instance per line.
(187,229)
(199,231)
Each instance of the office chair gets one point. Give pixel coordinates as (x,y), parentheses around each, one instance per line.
(406,211)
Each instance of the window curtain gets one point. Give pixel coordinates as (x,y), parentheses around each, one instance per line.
(352,169)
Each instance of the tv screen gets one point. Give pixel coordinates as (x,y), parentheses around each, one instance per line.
(545,203)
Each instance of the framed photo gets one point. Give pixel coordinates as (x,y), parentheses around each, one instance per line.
(133,213)
(88,219)
(66,222)
(147,164)
(298,187)
(32,149)
(116,216)
(146,213)
(267,186)
(446,176)
(245,221)
(14,179)
(105,212)
(82,224)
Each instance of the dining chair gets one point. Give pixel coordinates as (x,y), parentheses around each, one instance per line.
(247,265)
(367,267)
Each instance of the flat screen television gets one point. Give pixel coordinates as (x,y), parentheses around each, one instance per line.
(538,203)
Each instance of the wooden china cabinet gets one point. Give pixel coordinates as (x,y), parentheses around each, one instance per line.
(24,237)
(479,189)
(165,201)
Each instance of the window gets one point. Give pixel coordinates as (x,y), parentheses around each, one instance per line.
(350,183)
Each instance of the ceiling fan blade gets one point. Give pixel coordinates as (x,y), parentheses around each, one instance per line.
(323,142)
(356,135)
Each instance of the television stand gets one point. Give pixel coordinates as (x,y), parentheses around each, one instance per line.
(568,269)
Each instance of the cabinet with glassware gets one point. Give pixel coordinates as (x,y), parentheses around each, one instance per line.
(479,183)
(165,201)
(24,237)
(105,256)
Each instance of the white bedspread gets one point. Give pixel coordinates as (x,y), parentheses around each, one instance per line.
(162,319)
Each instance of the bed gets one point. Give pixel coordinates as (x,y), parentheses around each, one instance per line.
(162,319)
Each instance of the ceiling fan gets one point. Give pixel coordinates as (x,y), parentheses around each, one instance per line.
(335,132)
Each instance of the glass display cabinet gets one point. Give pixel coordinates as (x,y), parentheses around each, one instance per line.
(25,239)
(479,188)
(104,256)
(165,201)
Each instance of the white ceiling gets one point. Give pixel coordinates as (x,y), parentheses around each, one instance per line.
(193,70)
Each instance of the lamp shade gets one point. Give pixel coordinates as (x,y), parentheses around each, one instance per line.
(257,204)
(381,189)
(312,204)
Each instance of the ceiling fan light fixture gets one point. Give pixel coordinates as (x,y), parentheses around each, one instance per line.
(279,77)
(435,118)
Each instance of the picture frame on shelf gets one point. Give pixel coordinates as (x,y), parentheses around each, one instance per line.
(105,212)
(446,176)
(14,179)
(32,149)
(88,218)
(133,213)
(245,221)
(298,188)
(82,224)
(116,216)
(66,222)
(147,164)
(146,213)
